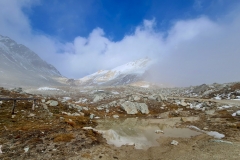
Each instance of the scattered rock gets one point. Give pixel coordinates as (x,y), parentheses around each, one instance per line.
(52,103)
(183,103)
(174,142)
(98,98)
(45,106)
(158,131)
(136,98)
(26,149)
(134,107)
(31,115)
(91,116)
(1,149)
(129,107)
(115,116)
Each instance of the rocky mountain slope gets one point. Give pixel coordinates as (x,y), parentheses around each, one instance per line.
(21,66)
(124,74)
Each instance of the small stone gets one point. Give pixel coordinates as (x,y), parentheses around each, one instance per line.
(174,142)
(158,131)
(26,149)
(85,108)
(31,115)
(13,116)
(1,149)
(115,116)
(45,106)
(53,103)
(91,116)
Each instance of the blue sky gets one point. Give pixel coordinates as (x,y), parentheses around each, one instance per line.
(68,19)
(192,41)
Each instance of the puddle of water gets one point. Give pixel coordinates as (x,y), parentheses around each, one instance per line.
(141,132)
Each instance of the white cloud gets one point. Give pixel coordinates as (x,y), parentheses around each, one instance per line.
(194,51)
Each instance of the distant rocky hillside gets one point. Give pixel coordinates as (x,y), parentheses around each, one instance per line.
(121,75)
(21,66)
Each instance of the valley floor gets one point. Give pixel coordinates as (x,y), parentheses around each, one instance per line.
(59,126)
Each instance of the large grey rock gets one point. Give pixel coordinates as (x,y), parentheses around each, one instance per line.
(98,98)
(134,107)
(129,107)
(200,89)
(142,107)
(136,97)
(52,103)
(152,97)
(183,103)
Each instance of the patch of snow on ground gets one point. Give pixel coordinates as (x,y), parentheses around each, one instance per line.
(215,134)
(210,133)
(114,92)
(47,89)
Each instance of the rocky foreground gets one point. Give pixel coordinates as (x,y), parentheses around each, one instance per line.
(63,123)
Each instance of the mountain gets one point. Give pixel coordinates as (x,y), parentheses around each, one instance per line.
(124,74)
(21,66)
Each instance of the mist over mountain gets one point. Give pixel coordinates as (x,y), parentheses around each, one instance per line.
(21,66)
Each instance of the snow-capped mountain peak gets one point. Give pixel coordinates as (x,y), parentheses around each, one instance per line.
(124,74)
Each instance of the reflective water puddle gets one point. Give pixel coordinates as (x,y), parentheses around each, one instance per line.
(142,133)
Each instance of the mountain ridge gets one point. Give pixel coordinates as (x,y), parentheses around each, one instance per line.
(21,66)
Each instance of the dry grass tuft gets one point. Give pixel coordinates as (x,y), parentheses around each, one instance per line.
(63,138)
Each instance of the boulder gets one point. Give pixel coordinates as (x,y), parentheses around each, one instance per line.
(53,103)
(129,107)
(183,103)
(134,107)
(98,98)
(152,97)
(136,98)
(142,107)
